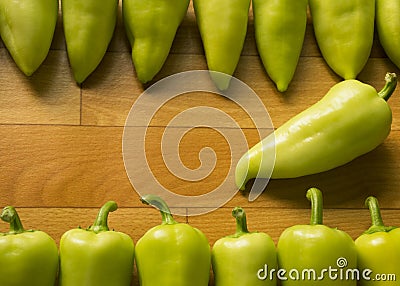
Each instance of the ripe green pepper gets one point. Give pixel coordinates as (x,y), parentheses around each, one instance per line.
(27,29)
(378,249)
(240,258)
(344,31)
(388,27)
(96,255)
(88,27)
(27,257)
(151,27)
(223,28)
(280,26)
(349,121)
(316,253)
(172,254)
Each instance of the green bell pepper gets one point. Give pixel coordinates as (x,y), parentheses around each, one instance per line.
(280,26)
(344,31)
(172,254)
(27,257)
(316,254)
(310,143)
(379,250)
(27,29)
(240,258)
(223,28)
(96,256)
(88,28)
(151,27)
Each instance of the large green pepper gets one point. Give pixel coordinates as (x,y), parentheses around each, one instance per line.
(223,28)
(172,254)
(349,121)
(27,257)
(379,250)
(316,254)
(344,31)
(88,27)
(96,256)
(27,29)
(280,26)
(240,259)
(151,27)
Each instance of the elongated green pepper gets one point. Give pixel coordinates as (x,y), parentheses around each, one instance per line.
(316,254)
(27,29)
(96,256)
(349,121)
(280,26)
(88,27)
(344,31)
(172,254)
(151,27)
(27,257)
(223,28)
(241,258)
(378,250)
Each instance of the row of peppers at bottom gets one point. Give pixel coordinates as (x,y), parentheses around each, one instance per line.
(177,254)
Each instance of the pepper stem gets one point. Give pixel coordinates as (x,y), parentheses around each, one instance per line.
(11,216)
(160,204)
(101,222)
(315,196)
(241,222)
(390,86)
(376,217)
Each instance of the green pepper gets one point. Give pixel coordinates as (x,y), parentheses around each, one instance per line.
(378,249)
(280,26)
(344,31)
(96,255)
(316,254)
(240,259)
(27,257)
(172,254)
(27,29)
(88,27)
(349,121)
(388,27)
(151,27)
(223,28)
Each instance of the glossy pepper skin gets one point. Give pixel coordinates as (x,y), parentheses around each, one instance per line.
(316,247)
(344,31)
(27,257)
(223,28)
(96,256)
(88,28)
(280,26)
(172,254)
(151,27)
(238,258)
(310,143)
(378,248)
(27,29)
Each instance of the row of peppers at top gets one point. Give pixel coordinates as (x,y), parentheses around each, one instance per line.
(177,254)
(344,31)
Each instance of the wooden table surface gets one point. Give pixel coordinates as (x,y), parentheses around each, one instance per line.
(61,143)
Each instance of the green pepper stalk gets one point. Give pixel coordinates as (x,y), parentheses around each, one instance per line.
(241,258)
(27,29)
(314,249)
(172,254)
(27,257)
(309,143)
(378,248)
(96,255)
(344,31)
